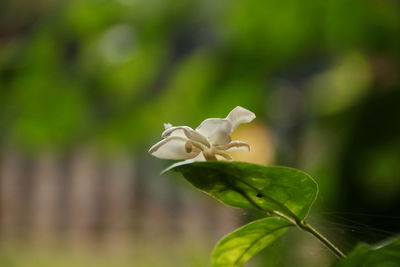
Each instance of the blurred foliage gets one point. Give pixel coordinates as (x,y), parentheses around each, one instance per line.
(386,254)
(97,71)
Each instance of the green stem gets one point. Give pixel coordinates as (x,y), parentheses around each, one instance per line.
(308,228)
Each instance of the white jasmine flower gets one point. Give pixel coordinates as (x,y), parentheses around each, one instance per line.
(209,141)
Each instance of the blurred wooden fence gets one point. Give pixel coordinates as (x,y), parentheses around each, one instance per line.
(82,198)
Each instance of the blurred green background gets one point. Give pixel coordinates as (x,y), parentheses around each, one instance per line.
(86,85)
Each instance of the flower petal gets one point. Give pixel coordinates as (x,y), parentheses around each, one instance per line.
(173,147)
(167,125)
(235,145)
(240,115)
(188,132)
(222,155)
(216,130)
(175,131)
(199,157)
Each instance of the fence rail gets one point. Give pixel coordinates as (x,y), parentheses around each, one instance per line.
(84,198)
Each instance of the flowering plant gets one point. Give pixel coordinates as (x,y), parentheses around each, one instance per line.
(283,195)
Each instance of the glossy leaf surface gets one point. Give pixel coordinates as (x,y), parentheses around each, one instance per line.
(245,185)
(238,247)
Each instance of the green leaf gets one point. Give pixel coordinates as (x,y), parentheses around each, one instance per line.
(387,255)
(267,188)
(238,247)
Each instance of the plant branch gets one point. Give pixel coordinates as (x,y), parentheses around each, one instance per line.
(308,228)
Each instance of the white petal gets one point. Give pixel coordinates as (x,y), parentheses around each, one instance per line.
(176,164)
(167,125)
(172,147)
(199,157)
(240,115)
(242,148)
(175,131)
(187,132)
(222,155)
(216,130)
(235,145)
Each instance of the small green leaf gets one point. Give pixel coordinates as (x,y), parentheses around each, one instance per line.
(387,255)
(245,185)
(238,247)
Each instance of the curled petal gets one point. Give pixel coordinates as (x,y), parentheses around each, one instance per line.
(235,145)
(209,155)
(173,147)
(186,131)
(176,164)
(195,146)
(216,130)
(222,155)
(167,125)
(188,147)
(199,157)
(240,115)
(175,131)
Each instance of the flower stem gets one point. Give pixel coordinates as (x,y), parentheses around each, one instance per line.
(308,228)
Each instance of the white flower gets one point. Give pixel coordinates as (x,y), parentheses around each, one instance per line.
(209,141)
